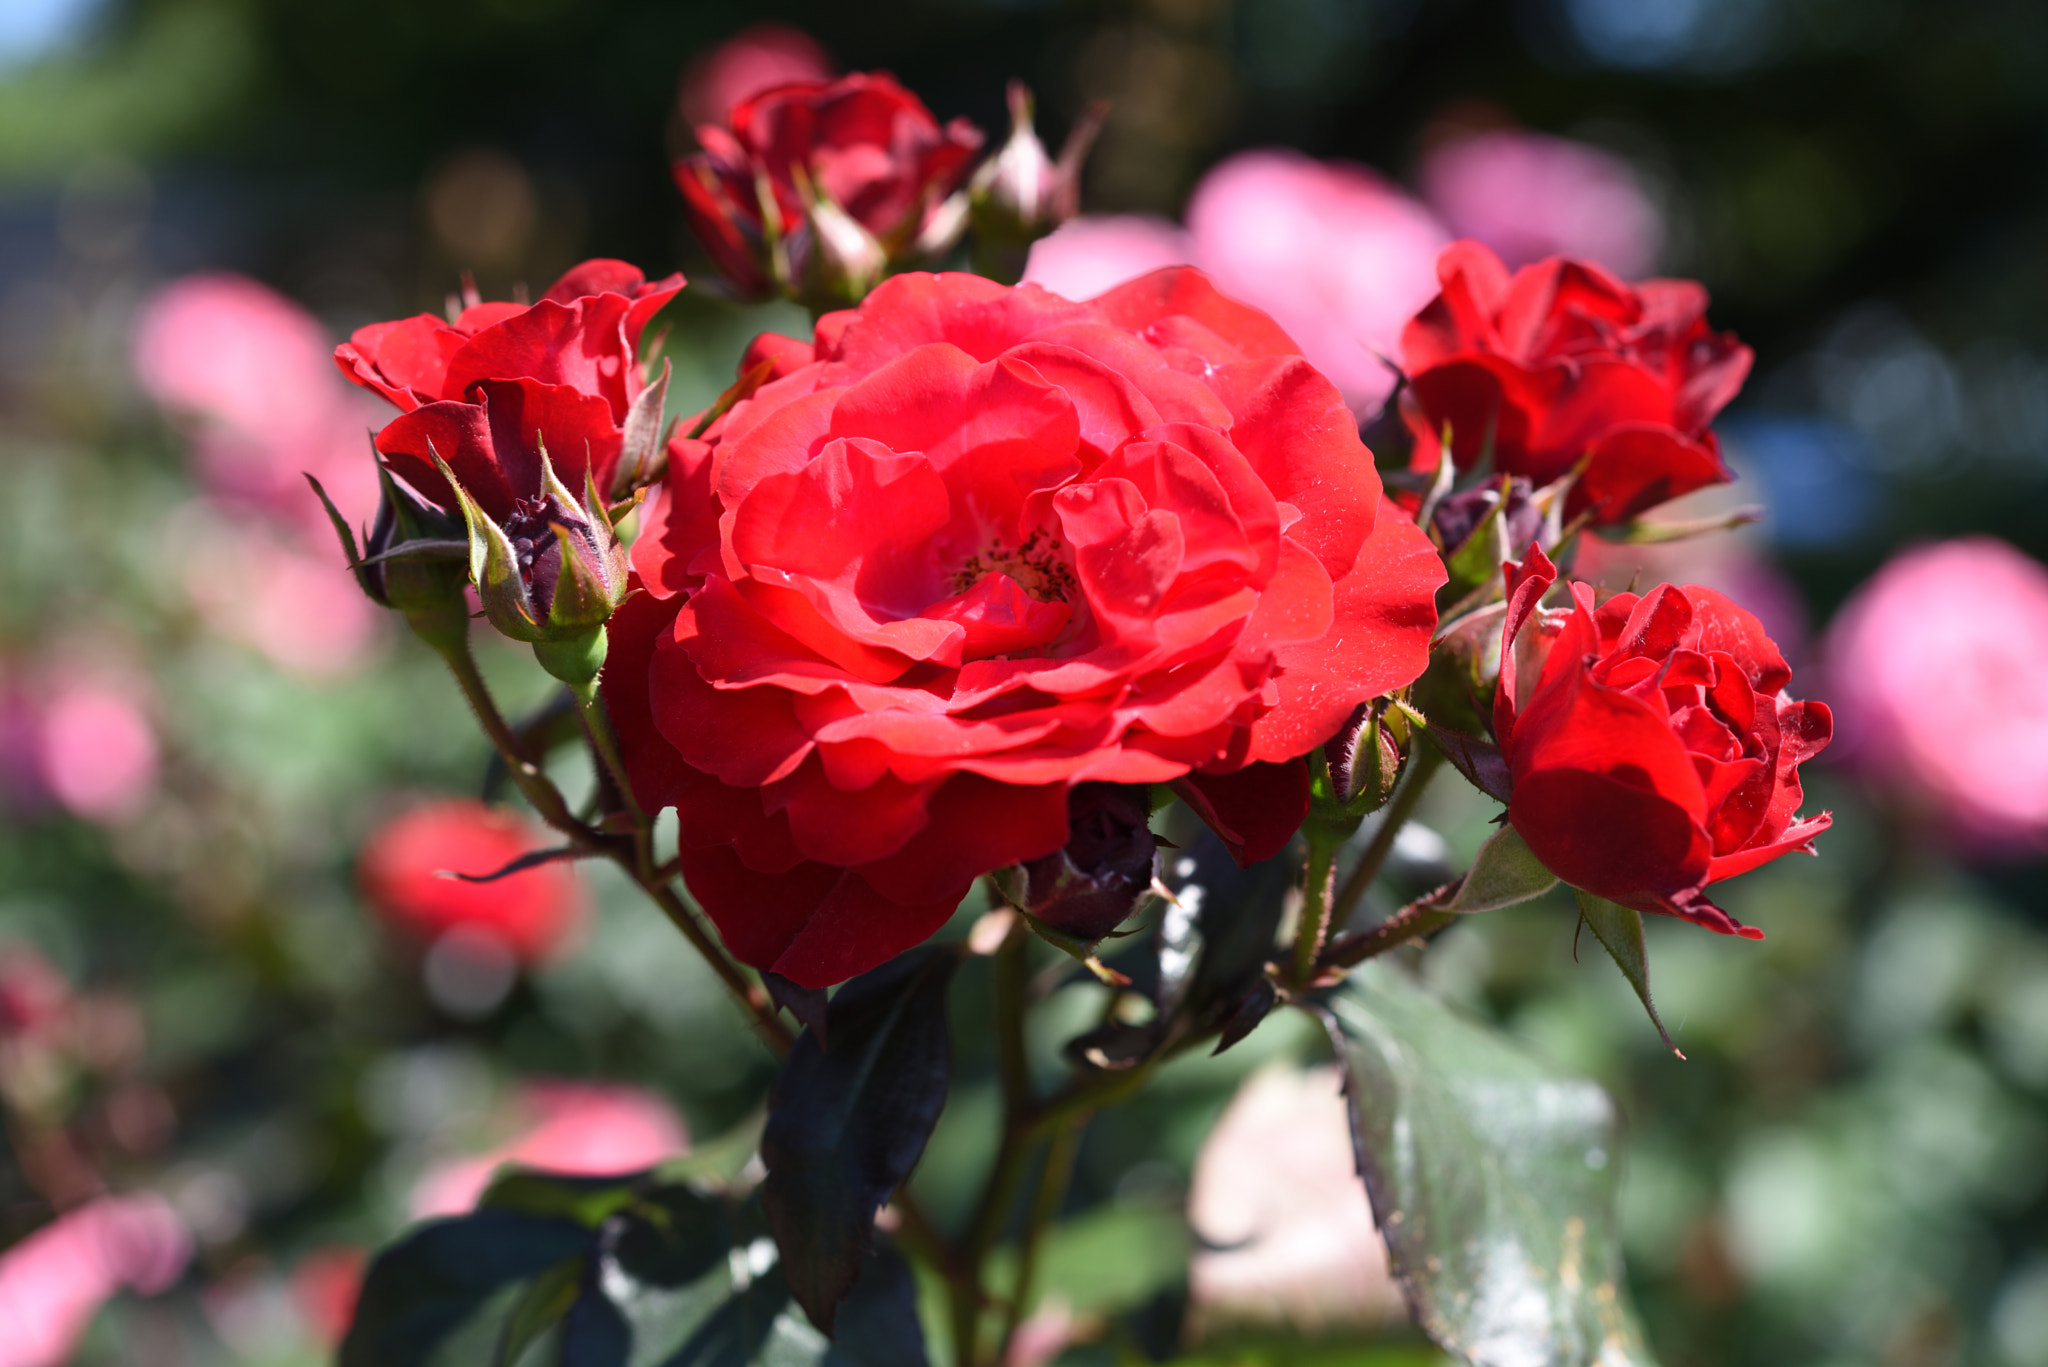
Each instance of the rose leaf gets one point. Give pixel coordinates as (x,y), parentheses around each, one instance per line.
(1493,1177)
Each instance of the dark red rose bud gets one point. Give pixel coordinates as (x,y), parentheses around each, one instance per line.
(1459,515)
(816,189)
(1363,760)
(1088,888)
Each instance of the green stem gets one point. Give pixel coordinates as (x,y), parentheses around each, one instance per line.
(1053,1176)
(1012,968)
(1317,884)
(548,802)
(749,996)
(1411,922)
(1423,761)
(532,783)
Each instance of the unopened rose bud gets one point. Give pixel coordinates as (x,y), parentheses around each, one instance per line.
(552,574)
(1460,515)
(846,260)
(1364,759)
(1021,193)
(412,560)
(1088,888)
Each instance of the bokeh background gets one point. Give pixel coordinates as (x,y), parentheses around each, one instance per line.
(236,1050)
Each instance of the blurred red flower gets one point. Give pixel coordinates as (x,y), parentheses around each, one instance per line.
(1656,751)
(490,390)
(403,875)
(862,142)
(1562,362)
(978,545)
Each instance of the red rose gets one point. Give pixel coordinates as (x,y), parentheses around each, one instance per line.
(1657,751)
(862,142)
(1562,362)
(490,390)
(976,546)
(402,874)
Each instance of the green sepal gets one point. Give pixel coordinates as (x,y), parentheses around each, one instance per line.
(1505,871)
(575,660)
(348,542)
(1619,930)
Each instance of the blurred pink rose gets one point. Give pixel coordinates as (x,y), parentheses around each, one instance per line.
(300,611)
(749,62)
(1529,196)
(1086,256)
(53,1282)
(1278,1201)
(1338,256)
(571,1127)
(1935,672)
(254,373)
(96,748)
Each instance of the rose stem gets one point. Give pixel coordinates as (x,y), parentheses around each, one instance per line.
(1422,766)
(547,801)
(1317,882)
(1053,1176)
(1012,967)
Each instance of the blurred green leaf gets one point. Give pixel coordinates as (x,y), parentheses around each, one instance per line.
(421,1289)
(1109,1260)
(1493,1177)
(1507,871)
(540,1307)
(586,1200)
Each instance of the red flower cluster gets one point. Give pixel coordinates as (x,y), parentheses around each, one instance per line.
(490,390)
(1657,750)
(1561,362)
(974,546)
(403,874)
(863,143)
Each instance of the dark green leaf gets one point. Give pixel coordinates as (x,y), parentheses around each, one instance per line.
(1620,931)
(422,1288)
(540,1307)
(847,1122)
(1493,1178)
(586,1200)
(684,1279)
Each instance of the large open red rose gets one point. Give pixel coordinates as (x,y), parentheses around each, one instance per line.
(1561,362)
(1657,751)
(861,141)
(975,546)
(488,391)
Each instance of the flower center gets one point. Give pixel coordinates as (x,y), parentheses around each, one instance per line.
(1039,566)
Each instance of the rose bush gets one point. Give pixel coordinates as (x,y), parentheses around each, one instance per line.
(492,389)
(1656,751)
(1562,362)
(862,142)
(973,546)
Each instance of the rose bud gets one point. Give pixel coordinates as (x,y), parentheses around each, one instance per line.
(1020,194)
(412,560)
(1561,364)
(1363,760)
(1651,747)
(1090,886)
(1458,515)
(551,575)
(862,144)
